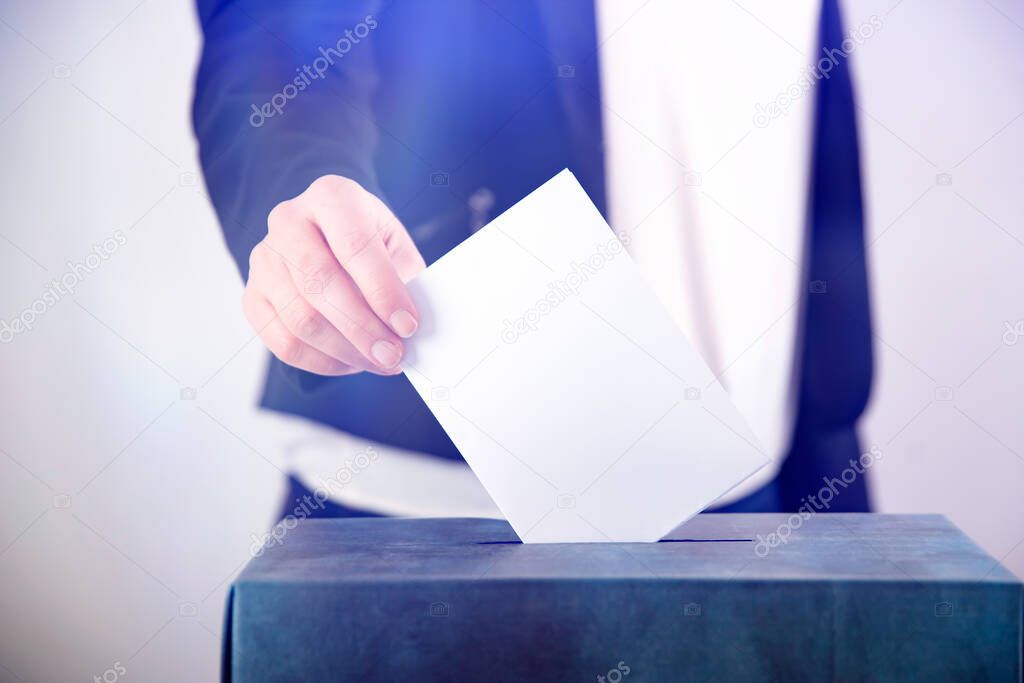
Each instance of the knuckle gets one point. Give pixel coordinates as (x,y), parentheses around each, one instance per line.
(305,321)
(379,294)
(350,327)
(256,313)
(287,348)
(352,242)
(317,272)
(247,303)
(281,215)
(363,330)
(257,256)
(332,187)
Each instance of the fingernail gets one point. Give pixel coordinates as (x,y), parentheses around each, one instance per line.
(386,353)
(403,323)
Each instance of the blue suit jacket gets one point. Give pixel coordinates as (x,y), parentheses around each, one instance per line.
(495,94)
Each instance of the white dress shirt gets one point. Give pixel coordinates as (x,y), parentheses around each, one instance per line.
(714,201)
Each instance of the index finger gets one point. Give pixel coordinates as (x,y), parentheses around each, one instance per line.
(350,222)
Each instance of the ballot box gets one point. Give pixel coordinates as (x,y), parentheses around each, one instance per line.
(740,597)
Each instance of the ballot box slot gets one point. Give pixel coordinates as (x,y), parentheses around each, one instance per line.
(664,540)
(706,540)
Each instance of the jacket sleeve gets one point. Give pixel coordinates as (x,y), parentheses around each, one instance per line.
(282,96)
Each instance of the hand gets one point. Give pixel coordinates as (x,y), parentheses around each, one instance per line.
(326,289)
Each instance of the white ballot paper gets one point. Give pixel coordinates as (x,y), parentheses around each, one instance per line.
(571,393)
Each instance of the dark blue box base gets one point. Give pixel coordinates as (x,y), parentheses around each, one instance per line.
(846,597)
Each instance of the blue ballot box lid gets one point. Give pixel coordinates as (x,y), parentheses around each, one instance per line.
(824,547)
(724,596)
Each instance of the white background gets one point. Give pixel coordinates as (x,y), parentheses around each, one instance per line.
(127,511)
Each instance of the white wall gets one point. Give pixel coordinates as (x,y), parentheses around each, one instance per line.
(126,510)
(942,92)
(93,389)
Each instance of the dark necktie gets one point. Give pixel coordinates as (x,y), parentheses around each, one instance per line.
(834,354)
